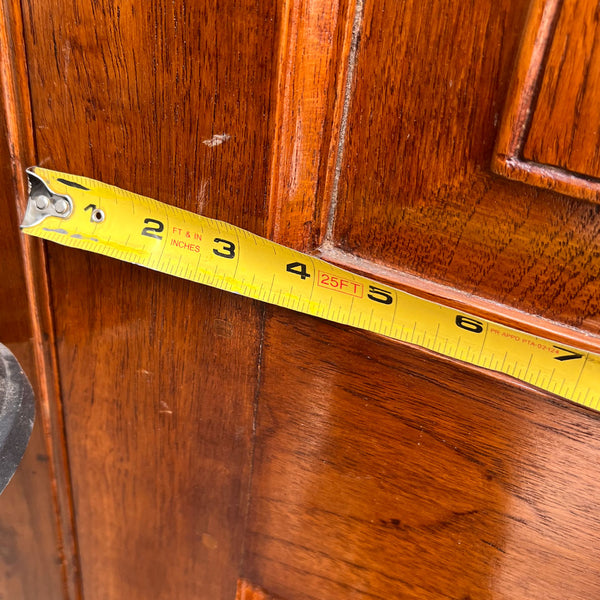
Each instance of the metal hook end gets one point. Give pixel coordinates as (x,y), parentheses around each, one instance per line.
(43,202)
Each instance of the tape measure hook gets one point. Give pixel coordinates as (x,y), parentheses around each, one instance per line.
(43,202)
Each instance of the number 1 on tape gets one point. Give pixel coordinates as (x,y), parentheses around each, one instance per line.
(93,216)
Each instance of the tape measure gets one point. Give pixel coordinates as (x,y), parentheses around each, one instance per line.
(90,215)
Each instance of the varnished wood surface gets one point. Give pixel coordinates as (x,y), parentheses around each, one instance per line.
(181,90)
(382,471)
(247,591)
(550,90)
(157,375)
(415,192)
(30,560)
(30,553)
(565,125)
(314,42)
(378,471)
(14,317)
(158,401)
(16,108)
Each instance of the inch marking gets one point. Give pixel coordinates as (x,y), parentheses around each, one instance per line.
(570,354)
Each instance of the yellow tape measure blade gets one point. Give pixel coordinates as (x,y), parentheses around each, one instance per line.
(96,217)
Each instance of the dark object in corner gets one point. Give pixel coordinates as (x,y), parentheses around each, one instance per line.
(17,411)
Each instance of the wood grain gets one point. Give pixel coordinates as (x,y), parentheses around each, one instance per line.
(38,351)
(464,301)
(565,125)
(314,39)
(247,591)
(171,100)
(30,557)
(415,193)
(382,471)
(378,470)
(528,70)
(541,97)
(14,316)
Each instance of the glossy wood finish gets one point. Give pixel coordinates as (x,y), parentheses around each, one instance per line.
(157,375)
(57,546)
(153,88)
(430,207)
(210,437)
(382,471)
(565,125)
(301,194)
(14,318)
(549,112)
(158,407)
(315,39)
(29,550)
(247,591)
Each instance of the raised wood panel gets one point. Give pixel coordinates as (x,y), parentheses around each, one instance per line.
(565,125)
(382,471)
(548,136)
(14,317)
(415,191)
(316,38)
(172,100)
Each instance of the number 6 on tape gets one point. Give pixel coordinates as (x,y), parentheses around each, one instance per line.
(86,214)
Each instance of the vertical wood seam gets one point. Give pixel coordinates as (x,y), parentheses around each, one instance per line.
(281,110)
(259,359)
(530,87)
(339,154)
(314,40)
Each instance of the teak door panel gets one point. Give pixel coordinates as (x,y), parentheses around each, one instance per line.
(415,190)
(383,471)
(549,127)
(210,438)
(158,376)
(487,507)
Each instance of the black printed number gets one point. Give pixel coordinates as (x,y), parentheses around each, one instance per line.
(154,228)
(469,324)
(570,354)
(298,268)
(378,295)
(227,249)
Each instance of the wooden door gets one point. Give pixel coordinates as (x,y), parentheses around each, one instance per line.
(203,442)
